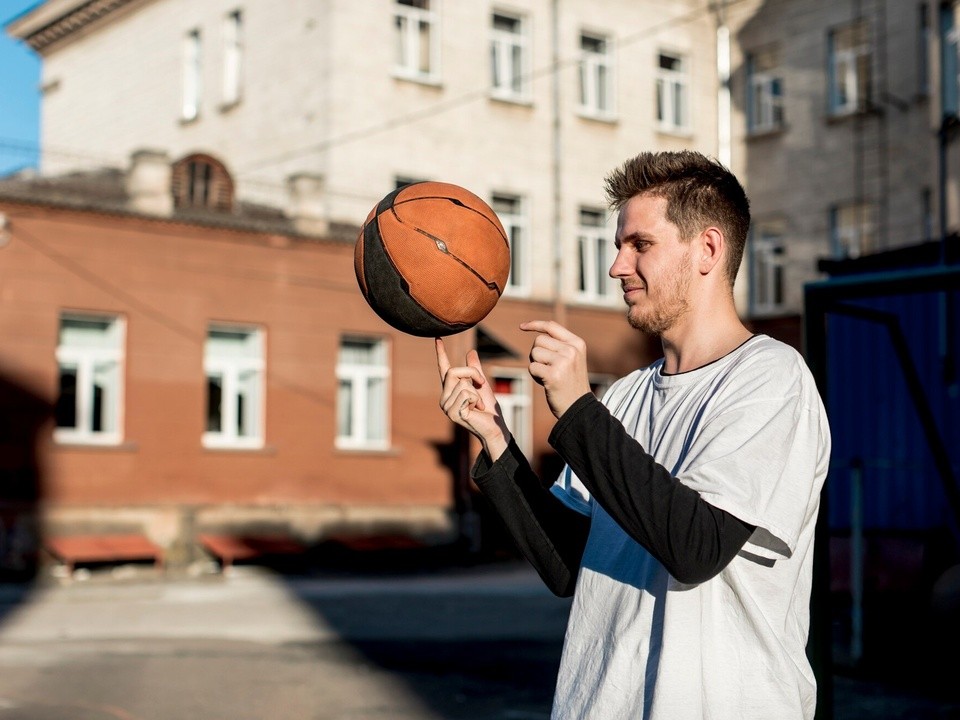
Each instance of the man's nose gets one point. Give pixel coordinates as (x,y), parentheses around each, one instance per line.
(621,267)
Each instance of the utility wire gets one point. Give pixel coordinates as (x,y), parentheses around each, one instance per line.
(468,97)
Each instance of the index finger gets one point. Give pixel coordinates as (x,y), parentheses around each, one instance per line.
(549,327)
(443,363)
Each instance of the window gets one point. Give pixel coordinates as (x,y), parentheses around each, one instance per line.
(190,108)
(950,73)
(672,93)
(596,76)
(362,408)
(233,361)
(595,258)
(232,57)
(767,268)
(418,42)
(852,230)
(201,181)
(764,92)
(510,390)
(510,209)
(90,360)
(509,58)
(850,78)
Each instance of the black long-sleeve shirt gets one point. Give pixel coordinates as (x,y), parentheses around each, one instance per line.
(691,538)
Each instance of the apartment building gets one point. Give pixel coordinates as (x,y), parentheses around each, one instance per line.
(526,103)
(840,106)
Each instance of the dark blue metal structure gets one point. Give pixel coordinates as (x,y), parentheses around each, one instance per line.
(884,347)
(893,393)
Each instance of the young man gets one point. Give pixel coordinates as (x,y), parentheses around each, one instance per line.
(683,522)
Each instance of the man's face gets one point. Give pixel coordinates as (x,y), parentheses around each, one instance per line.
(653,265)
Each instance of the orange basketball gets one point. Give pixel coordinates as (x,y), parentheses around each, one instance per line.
(432,259)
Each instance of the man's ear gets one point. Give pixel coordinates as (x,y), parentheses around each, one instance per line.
(711,248)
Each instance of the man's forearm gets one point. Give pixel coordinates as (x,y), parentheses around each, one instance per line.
(550,535)
(693,539)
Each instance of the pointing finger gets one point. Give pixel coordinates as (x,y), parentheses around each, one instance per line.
(549,327)
(443,363)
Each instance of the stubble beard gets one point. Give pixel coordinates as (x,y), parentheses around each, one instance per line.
(674,304)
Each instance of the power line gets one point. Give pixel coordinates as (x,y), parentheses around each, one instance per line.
(468,97)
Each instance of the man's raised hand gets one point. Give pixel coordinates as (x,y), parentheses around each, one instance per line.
(558,361)
(468,400)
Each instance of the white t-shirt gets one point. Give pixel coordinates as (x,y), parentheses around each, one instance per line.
(750,434)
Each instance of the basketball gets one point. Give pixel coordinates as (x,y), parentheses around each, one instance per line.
(432,259)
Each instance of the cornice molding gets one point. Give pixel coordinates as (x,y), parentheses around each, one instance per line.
(49,25)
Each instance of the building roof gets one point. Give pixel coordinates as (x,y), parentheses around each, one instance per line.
(103,190)
(54,20)
(919,255)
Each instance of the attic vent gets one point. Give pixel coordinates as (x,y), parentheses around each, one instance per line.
(200,181)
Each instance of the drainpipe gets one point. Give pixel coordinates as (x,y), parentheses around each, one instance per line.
(724,142)
(559,307)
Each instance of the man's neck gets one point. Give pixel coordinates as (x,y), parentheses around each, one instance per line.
(697,340)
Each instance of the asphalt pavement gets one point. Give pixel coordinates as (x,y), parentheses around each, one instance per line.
(477,642)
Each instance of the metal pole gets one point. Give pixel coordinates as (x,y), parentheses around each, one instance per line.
(559,308)
(856,560)
(724,144)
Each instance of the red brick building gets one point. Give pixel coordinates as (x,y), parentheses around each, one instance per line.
(192,366)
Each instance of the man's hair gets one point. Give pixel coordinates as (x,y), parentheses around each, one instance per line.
(699,192)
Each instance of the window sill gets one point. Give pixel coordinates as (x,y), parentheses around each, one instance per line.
(426,80)
(95,445)
(226,107)
(612,303)
(675,132)
(517,293)
(240,449)
(375,451)
(766,133)
(515,100)
(833,118)
(600,117)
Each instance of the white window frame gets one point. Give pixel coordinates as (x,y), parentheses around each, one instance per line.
(765,112)
(597,70)
(595,255)
(410,23)
(89,362)
(850,68)
(359,377)
(768,269)
(515,407)
(232,370)
(232,58)
(192,75)
(512,211)
(853,229)
(510,59)
(673,94)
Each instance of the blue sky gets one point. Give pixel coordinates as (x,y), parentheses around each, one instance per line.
(19,94)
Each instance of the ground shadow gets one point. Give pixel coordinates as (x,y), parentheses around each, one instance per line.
(24,416)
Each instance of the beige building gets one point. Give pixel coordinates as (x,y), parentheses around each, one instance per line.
(527,103)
